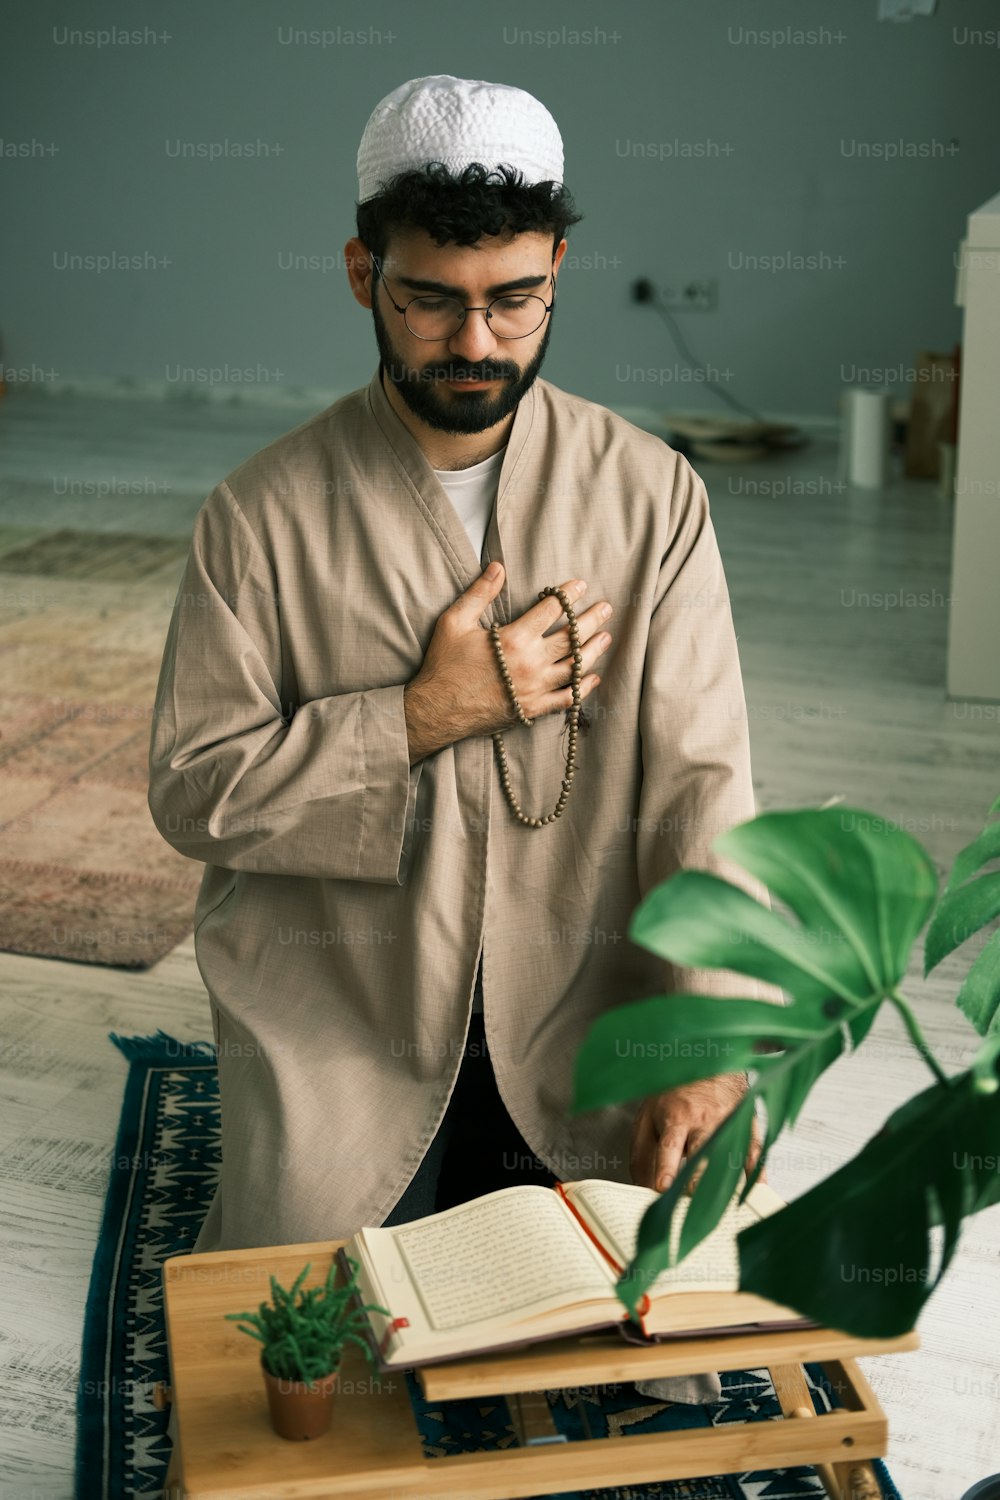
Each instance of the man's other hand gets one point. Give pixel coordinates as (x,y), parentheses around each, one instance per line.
(671,1126)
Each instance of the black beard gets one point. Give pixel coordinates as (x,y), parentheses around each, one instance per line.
(458,411)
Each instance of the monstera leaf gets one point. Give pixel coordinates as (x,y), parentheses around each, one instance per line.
(855,1252)
(965,908)
(860,889)
(655,1044)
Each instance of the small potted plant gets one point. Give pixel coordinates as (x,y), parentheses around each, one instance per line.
(304,1334)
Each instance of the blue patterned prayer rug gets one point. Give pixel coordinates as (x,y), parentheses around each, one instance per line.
(163,1174)
(747,1396)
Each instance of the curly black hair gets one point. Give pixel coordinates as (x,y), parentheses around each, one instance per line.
(462,208)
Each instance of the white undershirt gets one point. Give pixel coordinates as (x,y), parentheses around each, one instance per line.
(473,493)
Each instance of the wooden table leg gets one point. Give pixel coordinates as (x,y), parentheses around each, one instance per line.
(532,1419)
(795,1400)
(858,1481)
(857,1476)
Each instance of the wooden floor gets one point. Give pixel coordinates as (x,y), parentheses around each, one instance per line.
(840,602)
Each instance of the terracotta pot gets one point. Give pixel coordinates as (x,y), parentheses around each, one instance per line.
(298,1411)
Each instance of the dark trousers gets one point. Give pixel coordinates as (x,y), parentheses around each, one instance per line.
(477,1148)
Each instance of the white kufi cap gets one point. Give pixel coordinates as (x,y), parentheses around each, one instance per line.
(458,121)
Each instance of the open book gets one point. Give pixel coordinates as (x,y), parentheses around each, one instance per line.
(528,1263)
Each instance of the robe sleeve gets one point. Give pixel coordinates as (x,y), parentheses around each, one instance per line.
(324,788)
(696,777)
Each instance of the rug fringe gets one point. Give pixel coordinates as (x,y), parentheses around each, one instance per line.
(161,1047)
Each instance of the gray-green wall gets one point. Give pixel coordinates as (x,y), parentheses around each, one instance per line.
(698,133)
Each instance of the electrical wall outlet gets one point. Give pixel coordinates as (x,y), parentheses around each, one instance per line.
(690,294)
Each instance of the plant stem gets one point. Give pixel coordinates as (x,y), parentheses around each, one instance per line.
(917,1036)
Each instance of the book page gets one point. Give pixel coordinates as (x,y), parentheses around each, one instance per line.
(615,1210)
(498,1257)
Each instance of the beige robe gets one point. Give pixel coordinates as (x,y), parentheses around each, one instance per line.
(346,894)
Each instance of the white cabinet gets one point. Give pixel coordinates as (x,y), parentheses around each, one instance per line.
(974,615)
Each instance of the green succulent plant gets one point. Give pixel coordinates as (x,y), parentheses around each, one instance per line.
(304,1332)
(854,1252)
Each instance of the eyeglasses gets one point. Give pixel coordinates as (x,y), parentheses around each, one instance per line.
(509,317)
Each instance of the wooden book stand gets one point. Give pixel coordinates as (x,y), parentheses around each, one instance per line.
(226,1449)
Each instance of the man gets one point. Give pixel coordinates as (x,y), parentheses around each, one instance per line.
(324,721)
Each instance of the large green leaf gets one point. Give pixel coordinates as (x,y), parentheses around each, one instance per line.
(966,907)
(651,1045)
(655,1247)
(647,1047)
(784,1079)
(980,852)
(853,880)
(979,997)
(855,1252)
(860,889)
(959,915)
(702,921)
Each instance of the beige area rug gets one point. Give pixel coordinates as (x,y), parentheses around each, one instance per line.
(84,874)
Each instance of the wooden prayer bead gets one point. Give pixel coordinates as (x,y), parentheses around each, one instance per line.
(572,716)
